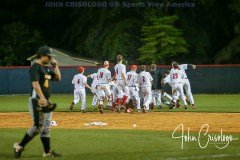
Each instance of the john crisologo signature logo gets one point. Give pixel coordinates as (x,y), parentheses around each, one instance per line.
(204,138)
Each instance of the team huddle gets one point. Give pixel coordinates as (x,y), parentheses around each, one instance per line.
(130,91)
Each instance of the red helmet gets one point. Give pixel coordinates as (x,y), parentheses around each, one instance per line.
(134,67)
(80,69)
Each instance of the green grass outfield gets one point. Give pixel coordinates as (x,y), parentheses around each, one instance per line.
(204,102)
(116,145)
(88,144)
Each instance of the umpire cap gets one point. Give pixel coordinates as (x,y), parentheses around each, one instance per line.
(44,51)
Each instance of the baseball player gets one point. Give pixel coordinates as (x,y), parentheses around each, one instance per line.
(156,86)
(132,81)
(121,82)
(104,77)
(169,100)
(145,82)
(114,92)
(41,77)
(80,82)
(94,88)
(176,79)
(186,83)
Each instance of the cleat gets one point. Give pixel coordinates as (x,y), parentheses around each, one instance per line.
(17,150)
(172,106)
(129,110)
(144,109)
(185,107)
(151,106)
(51,154)
(117,109)
(160,107)
(71,107)
(100,107)
(178,104)
(193,106)
(83,111)
(188,102)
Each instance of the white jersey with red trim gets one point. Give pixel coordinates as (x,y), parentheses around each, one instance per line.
(104,75)
(184,67)
(167,79)
(131,78)
(79,81)
(176,76)
(119,70)
(95,80)
(145,79)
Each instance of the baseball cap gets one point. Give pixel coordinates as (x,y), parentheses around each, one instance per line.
(134,67)
(44,51)
(81,69)
(106,63)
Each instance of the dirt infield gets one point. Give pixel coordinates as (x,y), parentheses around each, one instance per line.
(165,121)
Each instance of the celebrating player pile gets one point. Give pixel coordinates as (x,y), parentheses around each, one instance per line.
(131,91)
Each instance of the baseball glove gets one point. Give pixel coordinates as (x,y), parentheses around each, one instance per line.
(49,108)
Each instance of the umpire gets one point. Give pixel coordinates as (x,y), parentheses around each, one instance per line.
(39,104)
(156,86)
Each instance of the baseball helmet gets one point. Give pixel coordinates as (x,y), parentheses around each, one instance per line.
(80,69)
(134,67)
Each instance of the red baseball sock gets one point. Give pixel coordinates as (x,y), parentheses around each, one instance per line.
(125,100)
(118,102)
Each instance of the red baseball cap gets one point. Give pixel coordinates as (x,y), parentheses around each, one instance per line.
(80,69)
(134,67)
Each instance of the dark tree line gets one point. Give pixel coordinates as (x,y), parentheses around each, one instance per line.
(206,33)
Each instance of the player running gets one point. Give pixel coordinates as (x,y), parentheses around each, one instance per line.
(94,84)
(80,82)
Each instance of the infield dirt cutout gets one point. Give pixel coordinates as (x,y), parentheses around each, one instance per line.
(164,121)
